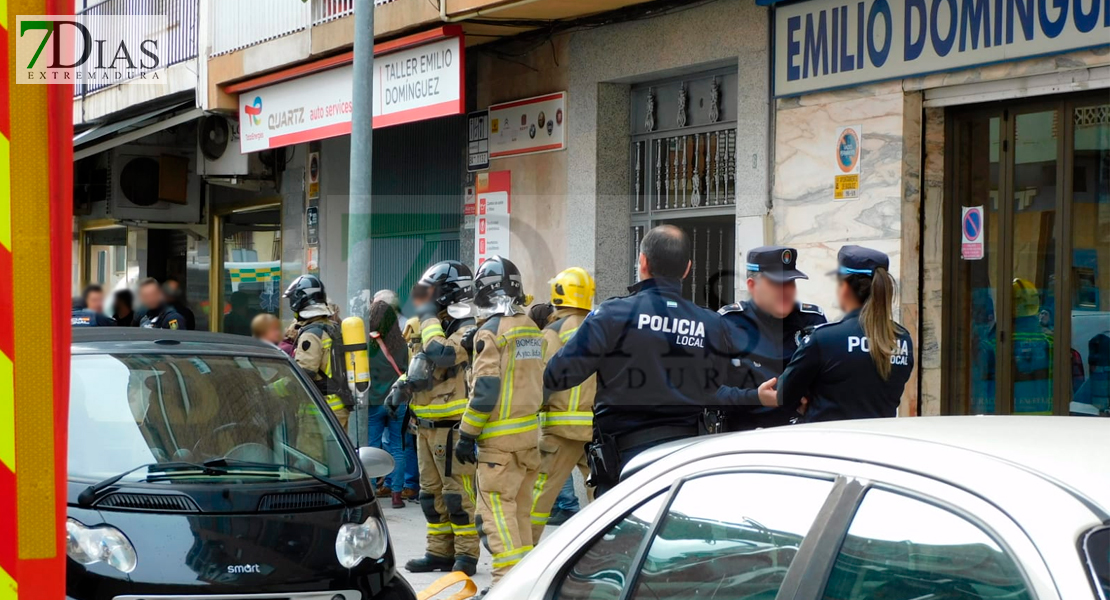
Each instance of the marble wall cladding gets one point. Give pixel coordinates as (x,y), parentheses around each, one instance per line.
(805,213)
(932,276)
(1009,70)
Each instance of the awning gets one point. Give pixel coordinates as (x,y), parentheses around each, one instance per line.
(134,128)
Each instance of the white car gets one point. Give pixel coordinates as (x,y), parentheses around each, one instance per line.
(945,508)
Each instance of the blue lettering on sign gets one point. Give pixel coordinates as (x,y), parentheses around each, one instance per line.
(839,37)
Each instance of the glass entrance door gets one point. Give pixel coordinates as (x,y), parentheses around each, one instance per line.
(1029,315)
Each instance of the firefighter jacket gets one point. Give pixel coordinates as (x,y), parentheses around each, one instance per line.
(441,341)
(570,413)
(507,385)
(312,351)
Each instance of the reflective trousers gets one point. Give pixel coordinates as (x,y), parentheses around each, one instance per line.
(447,501)
(558,458)
(505,482)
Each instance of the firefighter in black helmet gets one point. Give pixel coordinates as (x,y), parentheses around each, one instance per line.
(435,389)
(312,350)
(500,429)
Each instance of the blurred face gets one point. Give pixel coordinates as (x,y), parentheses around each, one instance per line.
(845,297)
(151,296)
(421,294)
(776,299)
(274,333)
(95,301)
(173,290)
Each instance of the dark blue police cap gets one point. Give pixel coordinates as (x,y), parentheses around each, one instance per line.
(857,260)
(777,263)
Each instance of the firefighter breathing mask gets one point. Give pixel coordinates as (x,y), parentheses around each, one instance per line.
(500,305)
(461,310)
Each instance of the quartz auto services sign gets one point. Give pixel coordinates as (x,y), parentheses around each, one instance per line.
(411,83)
(822,44)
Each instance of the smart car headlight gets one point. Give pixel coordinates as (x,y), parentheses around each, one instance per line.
(89,545)
(358,541)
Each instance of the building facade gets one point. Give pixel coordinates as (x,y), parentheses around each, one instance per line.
(557,133)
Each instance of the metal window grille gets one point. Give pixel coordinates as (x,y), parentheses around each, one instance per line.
(683,171)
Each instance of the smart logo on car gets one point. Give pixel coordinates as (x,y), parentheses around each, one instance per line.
(244,569)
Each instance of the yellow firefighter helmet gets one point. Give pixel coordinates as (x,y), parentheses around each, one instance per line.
(1027,302)
(573,288)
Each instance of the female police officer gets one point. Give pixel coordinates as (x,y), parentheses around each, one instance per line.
(855,368)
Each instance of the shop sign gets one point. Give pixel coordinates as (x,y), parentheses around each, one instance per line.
(848,151)
(491,230)
(477,152)
(313,175)
(971,232)
(410,84)
(528,126)
(824,44)
(470,207)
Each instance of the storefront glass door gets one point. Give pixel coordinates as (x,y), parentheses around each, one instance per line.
(1028,312)
(250,280)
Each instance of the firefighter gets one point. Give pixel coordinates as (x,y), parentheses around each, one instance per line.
(435,388)
(567,416)
(500,429)
(312,349)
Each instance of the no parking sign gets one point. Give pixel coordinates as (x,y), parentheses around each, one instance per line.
(971,232)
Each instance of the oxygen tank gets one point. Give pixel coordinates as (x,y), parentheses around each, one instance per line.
(356,355)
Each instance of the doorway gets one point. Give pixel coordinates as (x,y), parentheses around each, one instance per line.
(1028,297)
(250,277)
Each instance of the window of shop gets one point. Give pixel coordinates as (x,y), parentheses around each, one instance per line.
(1029,301)
(684,173)
(250,280)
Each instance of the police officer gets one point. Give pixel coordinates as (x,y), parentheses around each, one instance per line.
(659,360)
(500,429)
(769,328)
(567,416)
(313,350)
(435,388)
(88,310)
(857,367)
(160,314)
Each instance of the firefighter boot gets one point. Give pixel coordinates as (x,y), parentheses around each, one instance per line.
(430,563)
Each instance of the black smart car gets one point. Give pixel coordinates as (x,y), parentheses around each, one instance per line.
(206,466)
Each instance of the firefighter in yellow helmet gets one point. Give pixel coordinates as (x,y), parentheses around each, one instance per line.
(1032,348)
(567,416)
(500,428)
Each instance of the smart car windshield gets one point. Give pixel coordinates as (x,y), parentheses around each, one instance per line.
(128,410)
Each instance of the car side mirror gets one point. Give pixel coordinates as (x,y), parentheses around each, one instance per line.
(375,461)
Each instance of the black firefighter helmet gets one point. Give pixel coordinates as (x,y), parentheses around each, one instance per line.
(305,291)
(448,281)
(497,277)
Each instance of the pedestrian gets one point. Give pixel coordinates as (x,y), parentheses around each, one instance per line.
(175,295)
(566,418)
(499,430)
(434,387)
(88,310)
(313,350)
(123,310)
(768,329)
(856,368)
(658,357)
(388,358)
(238,321)
(267,327)
(159,313)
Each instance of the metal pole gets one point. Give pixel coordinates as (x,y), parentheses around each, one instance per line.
(359,293)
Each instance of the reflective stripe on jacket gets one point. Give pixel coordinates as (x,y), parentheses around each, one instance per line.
(507,384)
(569,413)
(441,341)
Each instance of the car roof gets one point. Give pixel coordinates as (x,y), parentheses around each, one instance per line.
(1070,451)
(97,340)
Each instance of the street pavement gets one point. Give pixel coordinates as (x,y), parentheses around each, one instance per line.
(407,529)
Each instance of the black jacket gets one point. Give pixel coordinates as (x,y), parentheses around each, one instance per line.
(659,359)
(834,370)
(765,344)
(163,318)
